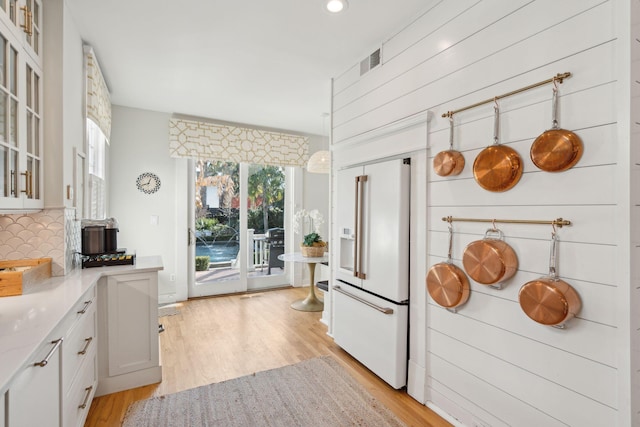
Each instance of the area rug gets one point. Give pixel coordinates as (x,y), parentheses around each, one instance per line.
(313,393)
(168,310)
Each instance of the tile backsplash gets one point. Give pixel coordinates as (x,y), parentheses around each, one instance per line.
(49,233)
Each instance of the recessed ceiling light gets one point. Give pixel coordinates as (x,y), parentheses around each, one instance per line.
(335,6)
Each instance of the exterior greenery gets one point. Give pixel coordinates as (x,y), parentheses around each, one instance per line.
(202,263)
(265,199)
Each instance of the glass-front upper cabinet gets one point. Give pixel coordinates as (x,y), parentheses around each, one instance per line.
(24,19)
(20,121)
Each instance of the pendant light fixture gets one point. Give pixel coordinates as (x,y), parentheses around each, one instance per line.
(320,161)
(336,6)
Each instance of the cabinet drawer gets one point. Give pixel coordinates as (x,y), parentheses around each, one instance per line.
(79,344)
(78,399)
(79,310)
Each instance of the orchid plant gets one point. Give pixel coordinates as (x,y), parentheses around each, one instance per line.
(309,223)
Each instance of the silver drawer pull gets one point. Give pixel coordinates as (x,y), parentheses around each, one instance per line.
(86,306)
(44,361)
(87,342)
(86,397)
(385,310)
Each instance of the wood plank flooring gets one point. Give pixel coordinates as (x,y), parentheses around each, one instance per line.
(220,338)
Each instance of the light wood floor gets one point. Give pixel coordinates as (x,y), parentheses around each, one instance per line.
(220,338)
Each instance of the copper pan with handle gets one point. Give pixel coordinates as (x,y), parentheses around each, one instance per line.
(446,283)
(556,149)
(497,168)
(550,300)
(491,260)
(449,162)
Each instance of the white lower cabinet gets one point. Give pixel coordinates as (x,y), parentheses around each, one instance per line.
(128,351)
(34,395)
(56,386)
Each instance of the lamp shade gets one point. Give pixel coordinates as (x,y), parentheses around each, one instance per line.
(319,162)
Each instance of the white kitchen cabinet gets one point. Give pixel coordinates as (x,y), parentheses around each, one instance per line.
(21,142)
(79,354)
(128,345)
(60,379)
(34,395)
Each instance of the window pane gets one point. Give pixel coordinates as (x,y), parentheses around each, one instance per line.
(13,117)
(13,167)
(36,136)
(3,117)
(29,169)
(36,93)
(36,178)
(29,91)
(3,61)
(29,132)
(5,177)
(13,78)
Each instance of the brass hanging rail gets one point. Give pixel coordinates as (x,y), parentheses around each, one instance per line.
(557,78)
(559,222)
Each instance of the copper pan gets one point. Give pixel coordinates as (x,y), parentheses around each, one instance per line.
(450,162)
(491,260)
(446,283)
(556,150)
(497,168)
(550,300)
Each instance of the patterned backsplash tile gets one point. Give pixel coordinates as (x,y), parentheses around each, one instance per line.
(49,233)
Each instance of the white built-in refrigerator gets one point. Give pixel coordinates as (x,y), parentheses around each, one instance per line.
(371,281)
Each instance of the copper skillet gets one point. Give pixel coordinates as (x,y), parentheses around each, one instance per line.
(550,300)
(446,283)
(556,150)
(491,260)
(498,167)
(450,162)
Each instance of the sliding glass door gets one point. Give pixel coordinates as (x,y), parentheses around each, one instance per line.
(237,227)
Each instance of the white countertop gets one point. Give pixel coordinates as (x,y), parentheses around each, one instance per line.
(27,319)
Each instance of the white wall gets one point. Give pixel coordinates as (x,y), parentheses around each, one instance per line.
(489,364)
(140,143)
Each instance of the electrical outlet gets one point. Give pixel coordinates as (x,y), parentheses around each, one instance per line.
(172,277)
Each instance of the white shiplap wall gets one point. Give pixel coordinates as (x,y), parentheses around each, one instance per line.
(489,364)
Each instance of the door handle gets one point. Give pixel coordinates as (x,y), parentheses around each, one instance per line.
(385,310)
(359,235)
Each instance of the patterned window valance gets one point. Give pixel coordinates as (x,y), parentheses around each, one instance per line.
(98,100)
(213,141)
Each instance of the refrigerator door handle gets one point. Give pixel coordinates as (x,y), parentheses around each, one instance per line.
(385,310)
(359,232)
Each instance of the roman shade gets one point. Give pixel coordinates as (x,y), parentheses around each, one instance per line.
(221,141)
(98,100)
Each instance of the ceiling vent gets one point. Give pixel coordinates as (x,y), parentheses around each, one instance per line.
(370,62)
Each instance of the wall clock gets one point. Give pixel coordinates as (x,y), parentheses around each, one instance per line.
(148,182)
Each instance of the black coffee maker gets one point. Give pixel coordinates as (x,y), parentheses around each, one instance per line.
(99,236)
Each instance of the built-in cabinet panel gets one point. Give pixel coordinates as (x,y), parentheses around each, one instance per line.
(132,311)
(129,354)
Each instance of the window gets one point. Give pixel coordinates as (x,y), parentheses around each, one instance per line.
(97,147)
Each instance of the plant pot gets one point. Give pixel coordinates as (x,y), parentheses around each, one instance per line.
(312,251)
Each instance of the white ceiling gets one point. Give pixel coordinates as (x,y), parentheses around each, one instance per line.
(260,62)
